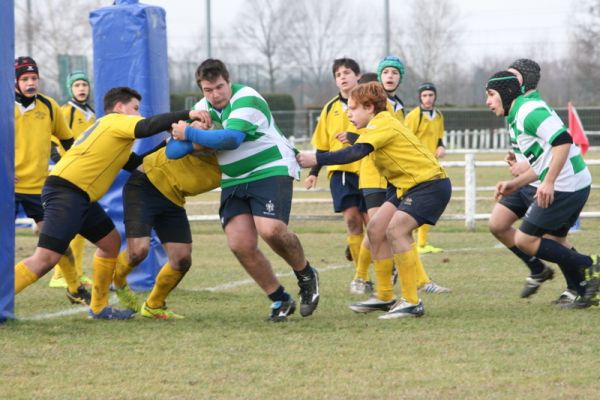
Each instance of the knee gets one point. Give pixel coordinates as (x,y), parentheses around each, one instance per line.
(525,243)
(497,227)
(182,264)
(137,254)
(274,233)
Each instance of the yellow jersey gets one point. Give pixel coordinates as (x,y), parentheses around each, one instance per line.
(427,127)
(35,126)
(98,155)
(369,176)
(333,120)
(187,176)
(398,154)
(78,120)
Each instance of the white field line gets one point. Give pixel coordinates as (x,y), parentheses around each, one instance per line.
(218,288)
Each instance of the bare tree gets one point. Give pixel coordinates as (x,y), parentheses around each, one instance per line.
(318,32)
(432,35)
(586,50)
(261,26)
(59,27)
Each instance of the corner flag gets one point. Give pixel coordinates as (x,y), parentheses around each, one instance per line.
(576,130)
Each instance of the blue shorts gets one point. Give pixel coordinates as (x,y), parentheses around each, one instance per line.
(557,219)
(269,197)
(518,202)
(374,198)
(345,192)
(32,205)
(425,202)
(145,207)
(67,212)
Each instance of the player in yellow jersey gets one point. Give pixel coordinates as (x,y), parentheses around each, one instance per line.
(422,192)
(427,123)
(79,116)
(343,179)
(154,198)
(78,181)
(37,120)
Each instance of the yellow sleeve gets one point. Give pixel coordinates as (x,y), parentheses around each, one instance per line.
(125,127)
(60,128)
(320,138)
(377,139)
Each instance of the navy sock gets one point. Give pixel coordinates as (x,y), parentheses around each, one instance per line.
(573,278)
(553,251)
(279,295)
(533,263)
(305,274)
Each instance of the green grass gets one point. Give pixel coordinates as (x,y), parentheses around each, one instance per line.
(479,342)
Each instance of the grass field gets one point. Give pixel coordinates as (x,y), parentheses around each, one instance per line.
(479,342)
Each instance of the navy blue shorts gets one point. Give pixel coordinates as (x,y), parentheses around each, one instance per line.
(269,197)
(67,212)
(374,198)
(345,192)
(557,219)
(32,205)
(519,201)
(145,207)
(425,202)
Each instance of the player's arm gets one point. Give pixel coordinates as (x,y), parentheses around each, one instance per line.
(135,160)
(218,139)
(160,122)
(344,156)
(560,152)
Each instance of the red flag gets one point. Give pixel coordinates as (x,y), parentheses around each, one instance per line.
(576,130)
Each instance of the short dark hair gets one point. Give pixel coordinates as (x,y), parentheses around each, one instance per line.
(119,94)
(345,62)
(210,70)
(368,77)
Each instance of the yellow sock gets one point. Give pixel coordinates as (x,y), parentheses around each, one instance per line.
(166,280)
(122,270)
(77,250)
(57,274)
(362,265)
(23,277)
(354,242)
(104,269)
(406,264)
(384,285)
(422,235)
(67,266)
(422,277)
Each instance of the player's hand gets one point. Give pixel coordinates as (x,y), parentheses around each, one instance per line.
(503,188)
(440,152)
(518,168)
(343,137)
(510,158)
(310,182)
(544,194)
(178,130)
(202,125)
(202,116)
(306,160)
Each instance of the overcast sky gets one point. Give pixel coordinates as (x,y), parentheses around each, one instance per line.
(514,28)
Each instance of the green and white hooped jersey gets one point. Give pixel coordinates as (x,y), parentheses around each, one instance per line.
(533,126)
(265,152)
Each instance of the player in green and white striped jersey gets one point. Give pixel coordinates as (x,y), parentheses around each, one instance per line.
(258,167)
(565,180)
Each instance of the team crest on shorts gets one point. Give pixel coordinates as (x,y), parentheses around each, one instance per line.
(407,201)
(270,207)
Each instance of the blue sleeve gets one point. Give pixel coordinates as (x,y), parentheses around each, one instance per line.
(219,139)
(177,149)
(344,156)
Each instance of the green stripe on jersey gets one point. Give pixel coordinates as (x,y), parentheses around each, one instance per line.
(534,119)
(577,163)
(543,174)
(278,170)
(533,152)
(254,161)
(558,132)
(253,102)
(242,125)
